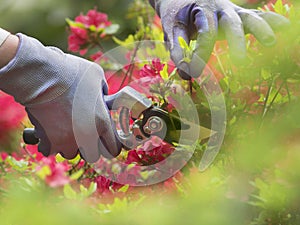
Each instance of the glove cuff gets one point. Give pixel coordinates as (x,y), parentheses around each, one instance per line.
(38,74)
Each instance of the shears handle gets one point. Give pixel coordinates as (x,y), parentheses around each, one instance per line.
(29,136)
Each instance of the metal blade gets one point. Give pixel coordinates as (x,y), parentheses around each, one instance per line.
(177,129)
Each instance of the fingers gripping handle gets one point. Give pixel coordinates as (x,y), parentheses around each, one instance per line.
(130,99)
(127,97)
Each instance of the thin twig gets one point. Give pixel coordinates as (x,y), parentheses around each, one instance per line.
(267,98)
(191,86)
(28,153)
(131,66)
(288,91)
(275,96)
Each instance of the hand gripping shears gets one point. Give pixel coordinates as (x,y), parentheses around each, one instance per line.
(139,120)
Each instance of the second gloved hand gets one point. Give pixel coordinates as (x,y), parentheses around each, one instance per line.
(63,96)
(203,20)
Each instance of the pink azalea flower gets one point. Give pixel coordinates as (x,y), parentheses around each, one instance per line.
(95,18)
(153,69)
(11,113)
(57,176)
(79,35)
(77,38)
(106,186)
(103,184)
(33,150)
(3,155)
(153,151)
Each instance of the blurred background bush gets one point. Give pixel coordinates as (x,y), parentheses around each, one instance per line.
(45,19)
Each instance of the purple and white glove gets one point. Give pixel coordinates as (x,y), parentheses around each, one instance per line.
(203,20)
(63,96)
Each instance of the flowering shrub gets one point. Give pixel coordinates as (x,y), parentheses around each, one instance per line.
(254,180)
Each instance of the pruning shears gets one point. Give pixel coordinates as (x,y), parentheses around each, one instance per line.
(139,120)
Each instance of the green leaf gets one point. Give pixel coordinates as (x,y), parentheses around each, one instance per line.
(266,74)
(44,172)
(92,188)
(173,74)
(69,192)
(193,45)
(164,73)
(293,81)
(74,161)
(129,40)
(124,189)
(59,158)
(20,165)
(234,86)
(72,23)
(93,28)
(83,190)
(233,120)
(278,7)
(112,29)
(183,43)
(77,174)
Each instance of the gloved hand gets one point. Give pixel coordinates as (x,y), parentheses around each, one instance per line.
(63,96)
(203,19)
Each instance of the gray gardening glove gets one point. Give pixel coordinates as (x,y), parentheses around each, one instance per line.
(63,96)
(203,20)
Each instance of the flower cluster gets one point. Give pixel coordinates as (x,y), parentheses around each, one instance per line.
(151,152)
(54,173)
(88,29)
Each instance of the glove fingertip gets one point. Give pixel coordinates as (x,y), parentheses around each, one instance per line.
(109,148)
(87,156)
(183,75)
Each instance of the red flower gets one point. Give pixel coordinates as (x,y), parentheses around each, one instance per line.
(77,39)
(81,36)
(152,70)
(93,17)
(106,186)
(103,184)
(57,176)
(3,155)
(33,150)
(115,81)
(118,80)
(153,151)
(11,113)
